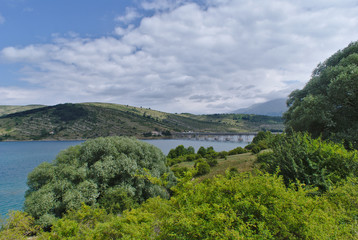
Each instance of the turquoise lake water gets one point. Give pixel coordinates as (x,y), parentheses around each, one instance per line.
(17,159)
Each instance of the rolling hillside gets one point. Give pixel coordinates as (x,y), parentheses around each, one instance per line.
(8,109)
(89,120)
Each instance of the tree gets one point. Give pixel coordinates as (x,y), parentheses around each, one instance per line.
(113,171)
(327,105)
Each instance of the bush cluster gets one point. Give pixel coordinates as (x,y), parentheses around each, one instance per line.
(260,142)
(313,162)
(240,206)
(115,172)
(204,158)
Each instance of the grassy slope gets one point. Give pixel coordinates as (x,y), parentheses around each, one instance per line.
(9,109)
(242,162)
(89,120)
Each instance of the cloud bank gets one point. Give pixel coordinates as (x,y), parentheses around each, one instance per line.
(209,57)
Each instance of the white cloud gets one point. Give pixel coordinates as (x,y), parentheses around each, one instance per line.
(190,58)
(2,19)
(131,14)
(161,5)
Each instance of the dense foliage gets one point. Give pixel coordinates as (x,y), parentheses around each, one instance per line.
(115,172)
(180,151)
(204,159)
(313,162)
(327,105)
(237,206)
(260,142)
(19,226)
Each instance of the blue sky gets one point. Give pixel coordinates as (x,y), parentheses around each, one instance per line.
(208,56)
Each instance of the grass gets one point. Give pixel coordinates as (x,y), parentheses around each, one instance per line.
(8,109)
(242,162)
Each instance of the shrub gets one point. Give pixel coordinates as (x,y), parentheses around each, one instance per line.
(248,207)
(223,154)
(201,167)
(191,157)
(104,170)
(236,206)
(180,151)
(256,149)
(311,161)
(238,150)
(18,226)
(212,162)
(201,151)
(179,172)
(260,142)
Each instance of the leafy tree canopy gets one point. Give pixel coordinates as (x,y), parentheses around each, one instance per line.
(116,172)
(327,105)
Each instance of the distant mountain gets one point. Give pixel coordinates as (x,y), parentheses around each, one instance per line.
(274,107)
(89,120)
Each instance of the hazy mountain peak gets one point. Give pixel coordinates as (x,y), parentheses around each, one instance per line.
(275,107)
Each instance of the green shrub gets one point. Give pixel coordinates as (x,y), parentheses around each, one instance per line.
(173,161)
(19,225)
(260,142)
(223,154)
(237,206)
(212,162)
(179,172)
(104,170)
(247,207)
(201,167)
(311,161)
(191,157)
(265,158)
(77,224)
(345,197)
(180,151)
(238,150)
(256,149)
(117,199)
(201,151)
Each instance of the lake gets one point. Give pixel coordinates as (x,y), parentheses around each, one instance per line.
(17,159)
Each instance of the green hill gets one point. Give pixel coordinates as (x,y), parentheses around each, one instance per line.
(8,109)
(89,120)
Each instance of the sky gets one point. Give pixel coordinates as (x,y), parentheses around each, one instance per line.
(202,57)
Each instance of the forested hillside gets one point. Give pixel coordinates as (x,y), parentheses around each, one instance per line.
(89,120)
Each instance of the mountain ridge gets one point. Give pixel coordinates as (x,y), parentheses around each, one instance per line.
(90,120)
(275,107)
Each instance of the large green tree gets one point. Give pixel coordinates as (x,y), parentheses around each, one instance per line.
(116,172)
(328,104)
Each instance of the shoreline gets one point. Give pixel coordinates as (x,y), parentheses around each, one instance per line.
(84,139)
